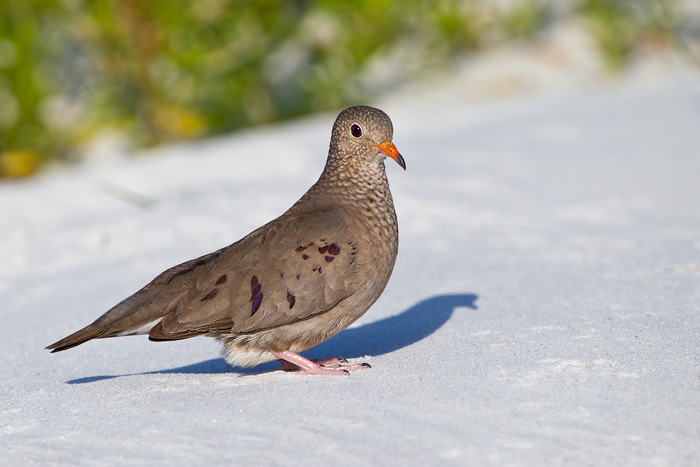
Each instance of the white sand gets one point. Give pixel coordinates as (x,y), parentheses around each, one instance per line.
(544,309)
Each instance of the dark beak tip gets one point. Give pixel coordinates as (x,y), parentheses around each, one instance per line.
(401,162)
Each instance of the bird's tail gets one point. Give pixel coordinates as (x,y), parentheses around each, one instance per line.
(138,313)
(127,318)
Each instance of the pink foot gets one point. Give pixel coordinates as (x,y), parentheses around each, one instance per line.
(332,366)
(330,361)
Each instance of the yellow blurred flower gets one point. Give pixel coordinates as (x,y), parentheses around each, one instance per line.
(179,122)
(18,163)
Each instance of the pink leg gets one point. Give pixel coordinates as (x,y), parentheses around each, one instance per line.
(290,360)
(286,366)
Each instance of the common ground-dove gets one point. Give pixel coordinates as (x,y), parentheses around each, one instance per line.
(295,281)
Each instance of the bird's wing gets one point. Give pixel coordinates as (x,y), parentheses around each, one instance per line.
(286,271)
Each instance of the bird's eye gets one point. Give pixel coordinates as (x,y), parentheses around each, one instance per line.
(356,130)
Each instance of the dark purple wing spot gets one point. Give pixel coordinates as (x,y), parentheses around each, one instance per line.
(298,276)
(255,292)
(329,259)
(320,270)
(305,257)
(221,280)
(291,299)
(301,248)
(334,249)
(256,304)
(352,260)
(323,249)
(255,295)
(314,269)
(210,295)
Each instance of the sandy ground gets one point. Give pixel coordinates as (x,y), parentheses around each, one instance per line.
(544,309)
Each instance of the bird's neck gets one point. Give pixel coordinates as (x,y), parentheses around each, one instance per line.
(357,184)
(363,193)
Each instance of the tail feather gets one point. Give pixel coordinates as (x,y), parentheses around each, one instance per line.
(95,331)
(75,339)
(138,313)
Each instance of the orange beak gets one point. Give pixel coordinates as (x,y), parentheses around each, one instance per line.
(390,150)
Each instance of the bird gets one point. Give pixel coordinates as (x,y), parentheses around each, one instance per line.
(292,283)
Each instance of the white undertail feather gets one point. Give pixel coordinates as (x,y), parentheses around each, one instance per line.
(245,357)
(141,329)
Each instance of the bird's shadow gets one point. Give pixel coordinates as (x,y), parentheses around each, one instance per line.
(372,339)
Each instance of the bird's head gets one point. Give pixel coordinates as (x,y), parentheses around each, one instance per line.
(363,134)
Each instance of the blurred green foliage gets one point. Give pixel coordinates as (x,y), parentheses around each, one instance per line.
(158,71)
(619,25)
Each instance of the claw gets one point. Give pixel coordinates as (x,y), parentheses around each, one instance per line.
(291,360)
(330,361)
